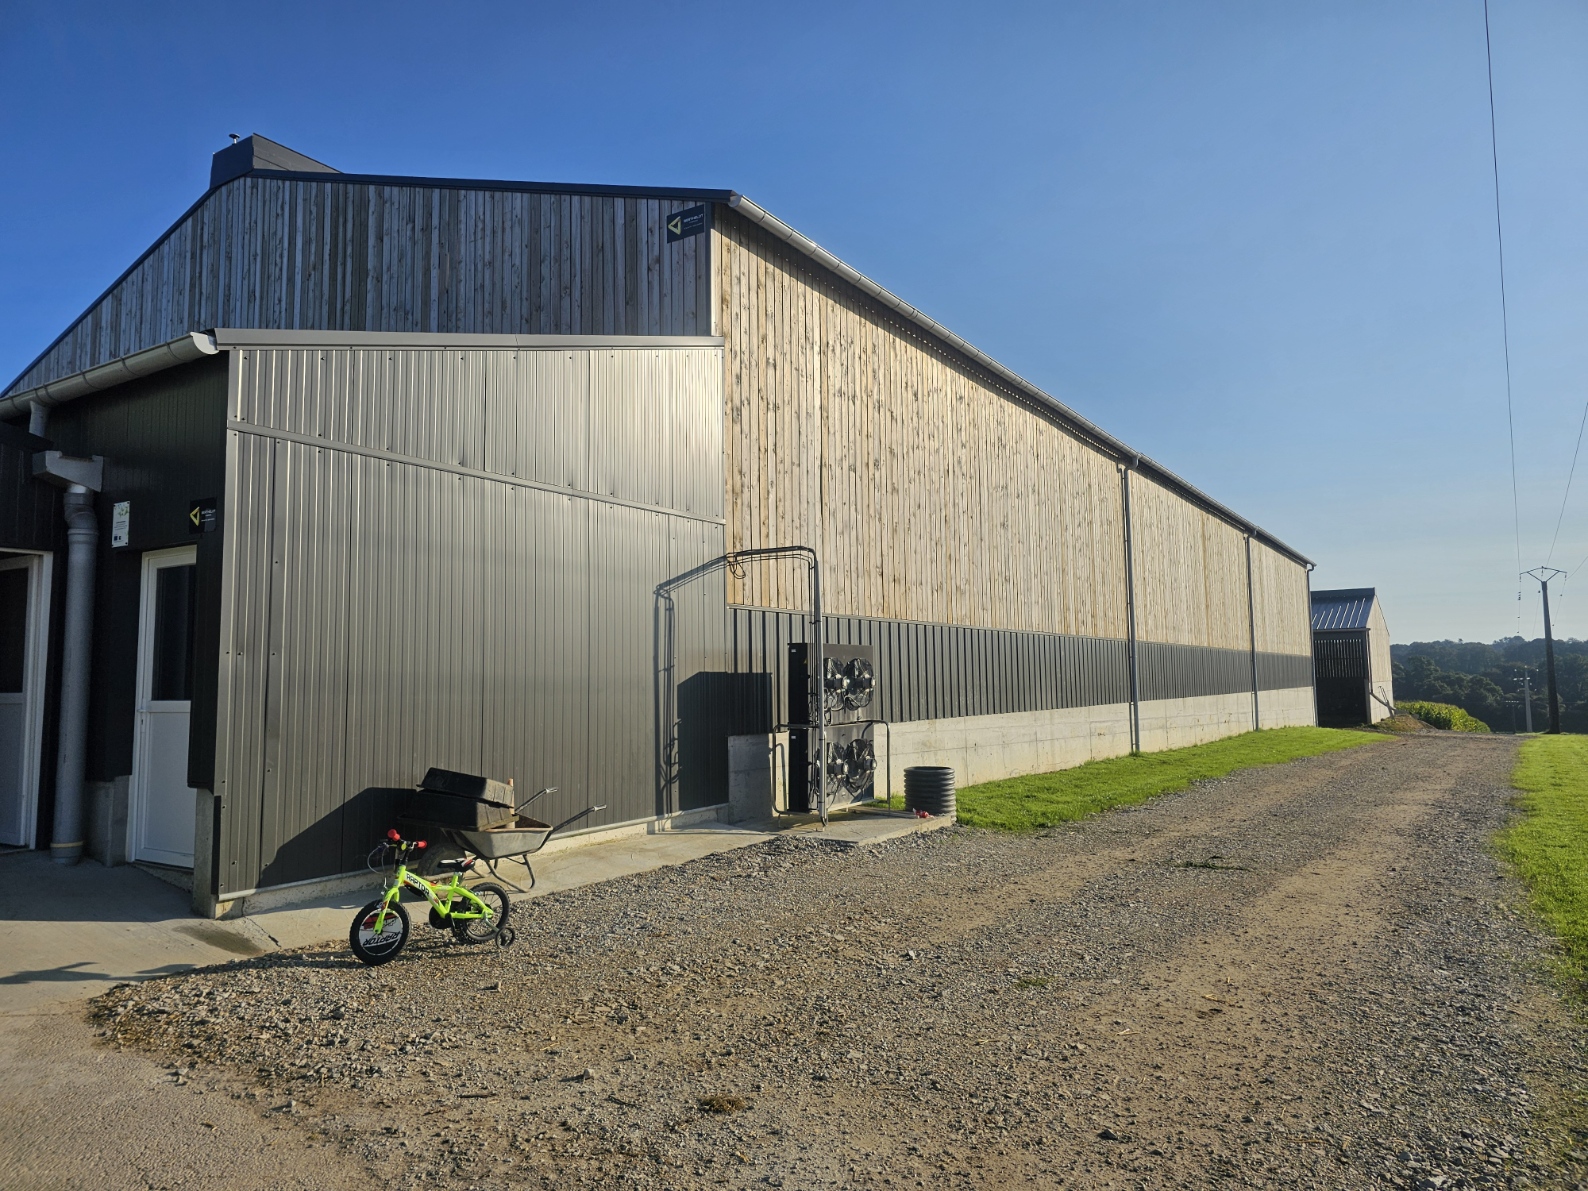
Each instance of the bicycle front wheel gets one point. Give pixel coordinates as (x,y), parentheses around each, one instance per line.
(483,929)
(379,946)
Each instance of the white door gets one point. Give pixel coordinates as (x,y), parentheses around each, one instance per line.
(22,625)
(163,804)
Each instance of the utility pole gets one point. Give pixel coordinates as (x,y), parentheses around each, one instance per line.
(1527,698)
(1544,575)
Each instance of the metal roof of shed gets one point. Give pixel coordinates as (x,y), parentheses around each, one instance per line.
(1343,610)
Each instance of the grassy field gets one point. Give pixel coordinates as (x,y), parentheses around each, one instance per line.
(1549,845)
(1043,800)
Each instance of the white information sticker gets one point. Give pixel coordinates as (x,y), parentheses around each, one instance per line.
(120,522)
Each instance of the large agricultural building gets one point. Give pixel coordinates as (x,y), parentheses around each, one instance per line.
(349,476)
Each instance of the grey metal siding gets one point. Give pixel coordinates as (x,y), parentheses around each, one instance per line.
(936,671)
(394,603)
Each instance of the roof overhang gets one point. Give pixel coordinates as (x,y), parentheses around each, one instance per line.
(193,346)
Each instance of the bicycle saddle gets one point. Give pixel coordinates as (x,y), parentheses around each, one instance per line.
(461,864)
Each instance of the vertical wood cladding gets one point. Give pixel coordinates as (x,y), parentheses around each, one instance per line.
(934,496)
(930,495)
(286,254)
(1190,572)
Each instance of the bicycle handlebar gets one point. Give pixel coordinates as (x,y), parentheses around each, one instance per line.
(396,838)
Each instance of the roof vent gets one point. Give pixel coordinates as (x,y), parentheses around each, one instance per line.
(259,153)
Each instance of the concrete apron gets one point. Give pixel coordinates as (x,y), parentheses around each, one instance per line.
(71,933)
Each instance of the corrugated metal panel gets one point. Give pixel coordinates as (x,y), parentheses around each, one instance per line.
(1334,611)
(538,411)
(535,612)
(305,738)
(1283,671)
(1342,655)
(244,655)
(934,671)
(386,614)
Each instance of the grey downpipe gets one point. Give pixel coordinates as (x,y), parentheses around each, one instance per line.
(82,539)
(1251,628)
(1313,652)
(1134,657)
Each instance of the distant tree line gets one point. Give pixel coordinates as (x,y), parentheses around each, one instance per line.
(1486,681)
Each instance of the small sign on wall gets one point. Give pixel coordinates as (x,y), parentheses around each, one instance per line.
(201,516)
(691,221)
(120,523)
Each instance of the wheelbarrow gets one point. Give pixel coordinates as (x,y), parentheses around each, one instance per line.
(516,840)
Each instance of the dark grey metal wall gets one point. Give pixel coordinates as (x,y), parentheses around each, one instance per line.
(934,671)
(29,510)
(163,439)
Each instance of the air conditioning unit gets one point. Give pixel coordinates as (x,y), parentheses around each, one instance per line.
(844,684)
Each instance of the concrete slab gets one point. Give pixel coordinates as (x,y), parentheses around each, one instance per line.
(70,933)
(856,828)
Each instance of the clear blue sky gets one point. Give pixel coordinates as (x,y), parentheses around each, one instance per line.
(1254,240)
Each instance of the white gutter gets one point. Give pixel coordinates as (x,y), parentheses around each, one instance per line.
(1122,452)
(193,346)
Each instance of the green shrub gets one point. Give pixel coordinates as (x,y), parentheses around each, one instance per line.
(1444,715)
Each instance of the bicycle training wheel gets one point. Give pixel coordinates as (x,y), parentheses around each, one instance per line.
(378,947)
(480,930)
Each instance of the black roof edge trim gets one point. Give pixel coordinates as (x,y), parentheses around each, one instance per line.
(694,194)
(1337,595)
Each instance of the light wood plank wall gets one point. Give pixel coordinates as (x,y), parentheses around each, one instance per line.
(929,495)
(1284,606)
(1190,571)
(277,254)
(932,495)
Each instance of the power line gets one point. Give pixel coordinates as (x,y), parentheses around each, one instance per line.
(1567,494)
(1505,318)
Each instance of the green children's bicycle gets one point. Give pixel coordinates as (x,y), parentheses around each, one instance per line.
(474,915)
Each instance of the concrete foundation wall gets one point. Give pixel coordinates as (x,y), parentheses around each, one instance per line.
(985,748)
(1294,708)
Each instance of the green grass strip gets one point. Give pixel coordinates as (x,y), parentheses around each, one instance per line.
(1548,846)
(1046,799)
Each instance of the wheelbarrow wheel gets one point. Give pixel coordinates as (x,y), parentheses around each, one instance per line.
(481,930)
(378,946)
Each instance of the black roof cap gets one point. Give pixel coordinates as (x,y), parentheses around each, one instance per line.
(261,153)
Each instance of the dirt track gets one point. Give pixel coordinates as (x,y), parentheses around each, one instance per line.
(1304,976)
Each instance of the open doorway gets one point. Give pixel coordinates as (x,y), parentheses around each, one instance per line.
(162,806)
(24,646)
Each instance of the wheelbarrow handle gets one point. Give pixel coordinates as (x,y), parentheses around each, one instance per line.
(574,818)
(535,795)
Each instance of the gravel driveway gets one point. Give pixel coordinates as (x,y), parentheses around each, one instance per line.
(1312,976)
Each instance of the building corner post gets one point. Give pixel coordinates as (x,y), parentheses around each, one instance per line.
(82,539)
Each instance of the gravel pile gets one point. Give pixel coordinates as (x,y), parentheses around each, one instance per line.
(1312,975)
